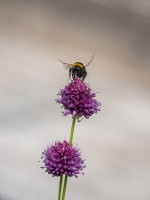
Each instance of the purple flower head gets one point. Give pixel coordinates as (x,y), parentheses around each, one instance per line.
(62,159)
(78,100)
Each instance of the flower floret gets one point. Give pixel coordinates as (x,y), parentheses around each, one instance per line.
(62,159)
(78,99)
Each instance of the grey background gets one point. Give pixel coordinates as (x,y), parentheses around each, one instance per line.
(115,142)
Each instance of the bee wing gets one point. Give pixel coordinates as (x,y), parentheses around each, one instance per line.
(90,60)
(64,64)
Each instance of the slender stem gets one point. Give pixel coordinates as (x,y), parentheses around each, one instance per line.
(72,130)
(71,139)
(64,188)
(60,187)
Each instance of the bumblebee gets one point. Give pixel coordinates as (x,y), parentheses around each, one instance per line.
(77,69)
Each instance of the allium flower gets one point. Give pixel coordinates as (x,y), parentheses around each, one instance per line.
(78,100)
(62,159)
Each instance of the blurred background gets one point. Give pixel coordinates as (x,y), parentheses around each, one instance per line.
(116,141)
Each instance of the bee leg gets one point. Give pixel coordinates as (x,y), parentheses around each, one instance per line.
(70,71)
(73,76)
(84,75)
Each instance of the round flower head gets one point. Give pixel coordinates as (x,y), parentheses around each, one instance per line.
(78,100)
(62,159)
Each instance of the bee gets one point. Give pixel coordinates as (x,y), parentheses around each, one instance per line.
(77,69)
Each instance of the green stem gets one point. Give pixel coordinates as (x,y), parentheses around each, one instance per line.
(64,188)
(72,130)
(70,141)
(60,187)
